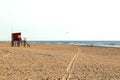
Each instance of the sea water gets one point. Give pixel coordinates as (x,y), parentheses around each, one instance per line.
(91,43)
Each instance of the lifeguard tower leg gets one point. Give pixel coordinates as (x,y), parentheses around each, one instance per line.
(12,43)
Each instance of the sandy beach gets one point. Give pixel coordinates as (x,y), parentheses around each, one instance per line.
(59,62)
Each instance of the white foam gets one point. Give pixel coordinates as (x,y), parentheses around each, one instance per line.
(108,45)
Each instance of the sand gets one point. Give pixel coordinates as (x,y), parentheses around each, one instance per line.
(59,62)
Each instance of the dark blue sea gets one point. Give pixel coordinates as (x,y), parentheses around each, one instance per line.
(93,43)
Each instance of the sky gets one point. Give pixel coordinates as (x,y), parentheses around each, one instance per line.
(60,19)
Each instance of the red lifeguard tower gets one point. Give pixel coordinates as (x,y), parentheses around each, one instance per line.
(16,39)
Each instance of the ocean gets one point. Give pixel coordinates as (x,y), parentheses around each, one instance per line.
(91,43)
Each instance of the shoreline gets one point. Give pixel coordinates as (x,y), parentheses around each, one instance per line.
(8,44)
(78,43)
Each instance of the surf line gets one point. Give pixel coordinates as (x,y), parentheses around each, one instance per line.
(67,75)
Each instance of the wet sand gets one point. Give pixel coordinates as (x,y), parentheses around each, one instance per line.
(59,62)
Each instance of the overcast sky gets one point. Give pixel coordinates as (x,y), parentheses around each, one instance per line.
(60,19)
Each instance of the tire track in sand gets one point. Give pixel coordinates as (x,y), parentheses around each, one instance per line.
(6,52)
(67,75)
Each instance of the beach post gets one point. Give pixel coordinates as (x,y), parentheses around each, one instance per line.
(16,39)
(24,42)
